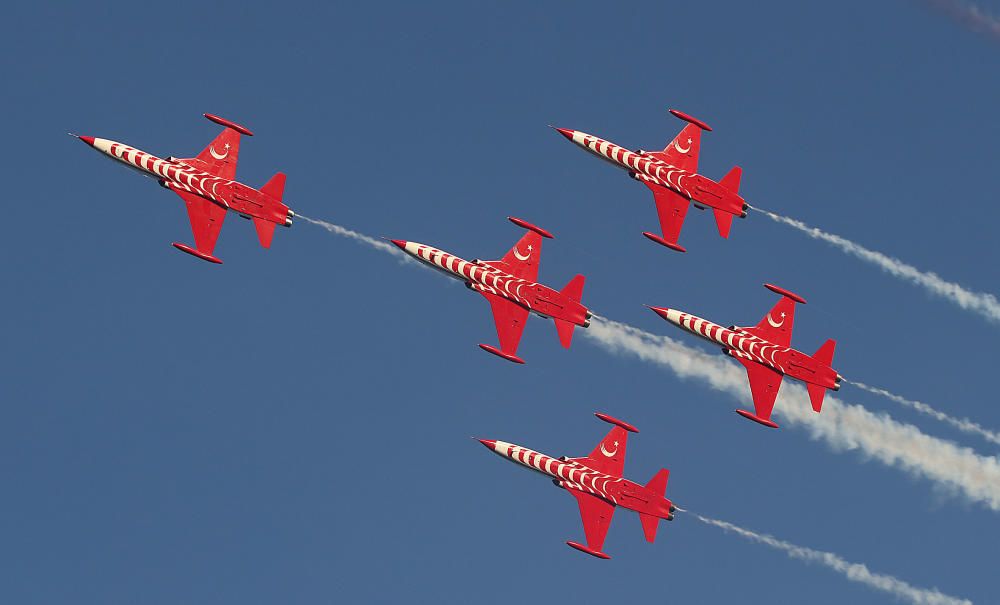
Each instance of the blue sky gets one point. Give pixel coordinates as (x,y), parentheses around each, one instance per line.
(294,425)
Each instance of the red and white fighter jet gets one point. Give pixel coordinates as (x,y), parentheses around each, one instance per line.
(672,176)
(597,484)
(765,352)
(207,186)
(509,285)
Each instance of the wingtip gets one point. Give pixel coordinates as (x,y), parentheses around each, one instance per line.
(590,551)
(508,356)
(763,421)
(663,242)
(612,420)
(783,292)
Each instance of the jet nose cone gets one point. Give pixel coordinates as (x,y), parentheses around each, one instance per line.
(87,140)
(400,243)
(661,311)
(565,132)
(489,443)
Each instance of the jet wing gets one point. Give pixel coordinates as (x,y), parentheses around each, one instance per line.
(764,385)
(220,157)
(206,220)
(671,207)
(776,327)
(609,455)
(510,319)
(521,261)
(596,516)
(682,152)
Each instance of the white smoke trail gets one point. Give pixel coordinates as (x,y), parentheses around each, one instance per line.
(962,424)
(855,572)
(970,15)
(358,237)
(841,426)
(982,303)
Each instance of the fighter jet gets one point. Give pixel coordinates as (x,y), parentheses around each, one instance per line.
(764,351)
(597,484)
(672,176)
(206,185)
(509,286)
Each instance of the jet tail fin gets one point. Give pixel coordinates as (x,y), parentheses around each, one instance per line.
(824,354)
(658,484)
(275,187)
(732,179)
(573,291)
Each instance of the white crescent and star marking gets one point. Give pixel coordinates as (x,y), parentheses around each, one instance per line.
(522,257)
(607,453)
(217,155)
(778,324)
(677,146)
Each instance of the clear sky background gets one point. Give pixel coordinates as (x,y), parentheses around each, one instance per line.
(293,426)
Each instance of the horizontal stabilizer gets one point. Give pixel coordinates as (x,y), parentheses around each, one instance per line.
(816,394)
(265,231)
(724,221)
(649,526)
(565,330)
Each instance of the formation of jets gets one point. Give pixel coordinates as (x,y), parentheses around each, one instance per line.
(208,187)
